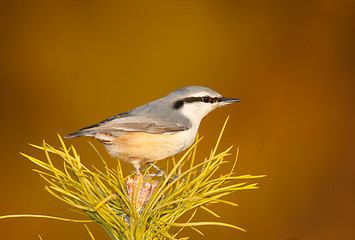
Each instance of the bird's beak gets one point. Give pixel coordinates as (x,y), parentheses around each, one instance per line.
(229,100)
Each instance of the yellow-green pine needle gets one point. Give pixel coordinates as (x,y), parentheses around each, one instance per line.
(103,196)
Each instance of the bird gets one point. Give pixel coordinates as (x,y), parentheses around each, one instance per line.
(156,130)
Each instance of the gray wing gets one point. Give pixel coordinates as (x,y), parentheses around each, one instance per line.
(138,124)
(127,122)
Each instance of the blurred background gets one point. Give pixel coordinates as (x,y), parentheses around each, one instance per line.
(69,64)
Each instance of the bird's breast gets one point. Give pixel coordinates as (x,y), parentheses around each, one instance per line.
(150,147)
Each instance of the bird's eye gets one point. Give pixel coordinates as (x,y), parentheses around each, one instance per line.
(206,99)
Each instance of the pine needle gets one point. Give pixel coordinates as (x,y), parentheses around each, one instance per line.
(140,208)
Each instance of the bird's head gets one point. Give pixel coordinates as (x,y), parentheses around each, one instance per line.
(195,102)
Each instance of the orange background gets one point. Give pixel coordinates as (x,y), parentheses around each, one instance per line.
(69,64)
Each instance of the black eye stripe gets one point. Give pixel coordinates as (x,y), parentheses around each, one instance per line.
(200,99)
(178,104)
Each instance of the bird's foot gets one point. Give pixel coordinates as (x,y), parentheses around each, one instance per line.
(174,177)
(161,172)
